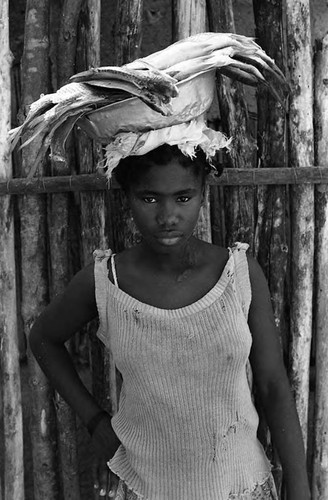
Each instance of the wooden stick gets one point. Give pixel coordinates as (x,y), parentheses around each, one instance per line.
(67,40)
(234,120)
(34,260)
(230,177)
(320,448)
(271,230)
(58,209)
(302,202)
(188,18)
(127,31)
(11,404)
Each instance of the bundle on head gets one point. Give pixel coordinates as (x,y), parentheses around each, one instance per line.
(159,92)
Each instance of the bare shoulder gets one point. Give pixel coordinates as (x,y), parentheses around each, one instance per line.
(71,310)
(259,284)
(83,283)
(80,293)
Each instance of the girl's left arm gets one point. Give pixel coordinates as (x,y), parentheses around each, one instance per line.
(274,389)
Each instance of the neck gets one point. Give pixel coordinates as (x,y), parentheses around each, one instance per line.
(172,261)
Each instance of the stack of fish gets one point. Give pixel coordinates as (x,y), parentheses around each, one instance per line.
(155,80)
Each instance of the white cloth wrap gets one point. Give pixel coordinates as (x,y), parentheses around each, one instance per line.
(187,136)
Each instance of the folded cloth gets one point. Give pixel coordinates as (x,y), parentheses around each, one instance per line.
(187,136)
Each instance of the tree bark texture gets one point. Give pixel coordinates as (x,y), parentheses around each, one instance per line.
(67,40)
(320,448)
(238,202)
(272,238)
(188,18)
(127,31)
(12,475)
(58,223)
(271,234)
(59,228)
(302,203)
(35,80)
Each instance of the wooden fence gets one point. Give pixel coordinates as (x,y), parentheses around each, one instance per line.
(273,195)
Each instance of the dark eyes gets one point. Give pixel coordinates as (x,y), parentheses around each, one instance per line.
(149,199)
(179,199)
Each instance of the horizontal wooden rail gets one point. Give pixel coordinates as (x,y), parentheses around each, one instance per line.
(230,177)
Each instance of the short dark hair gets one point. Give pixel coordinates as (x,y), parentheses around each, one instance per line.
(131,169)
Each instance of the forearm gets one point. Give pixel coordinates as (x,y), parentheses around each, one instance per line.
(58,366)
(286,434)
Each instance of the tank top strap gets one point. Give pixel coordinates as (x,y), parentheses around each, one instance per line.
(242,281)
(243,289)
(113,268)
(101,290)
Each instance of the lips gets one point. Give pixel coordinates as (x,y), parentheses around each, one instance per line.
(168,238)
(169,234)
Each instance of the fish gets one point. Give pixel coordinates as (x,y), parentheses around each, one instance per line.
(153,79)
(145,77)
(236,56)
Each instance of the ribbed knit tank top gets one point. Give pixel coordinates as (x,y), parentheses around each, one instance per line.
(186,419)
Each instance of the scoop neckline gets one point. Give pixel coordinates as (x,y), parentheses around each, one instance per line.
(200,304)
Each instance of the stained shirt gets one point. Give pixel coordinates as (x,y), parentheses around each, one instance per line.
(186,419)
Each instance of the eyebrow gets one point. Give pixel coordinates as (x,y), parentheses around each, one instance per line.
(146,192)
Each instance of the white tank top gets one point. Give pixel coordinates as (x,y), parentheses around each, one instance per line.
(186,419)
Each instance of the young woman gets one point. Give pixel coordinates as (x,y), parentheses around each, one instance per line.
(182,318)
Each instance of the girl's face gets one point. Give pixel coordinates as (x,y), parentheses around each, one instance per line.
(165,205)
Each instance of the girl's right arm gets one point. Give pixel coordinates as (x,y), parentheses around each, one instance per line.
(65,315)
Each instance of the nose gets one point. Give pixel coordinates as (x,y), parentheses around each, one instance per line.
(167,215)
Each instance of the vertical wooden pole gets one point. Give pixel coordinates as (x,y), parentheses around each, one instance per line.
(189,18)
(302,208)
(238,201)
(93,204)
(59,245)
(35,80)
(127,31)
(67,40)
(271,236)
(272,239)
(11,405)
(127,36)
(320,448)
(93,211)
